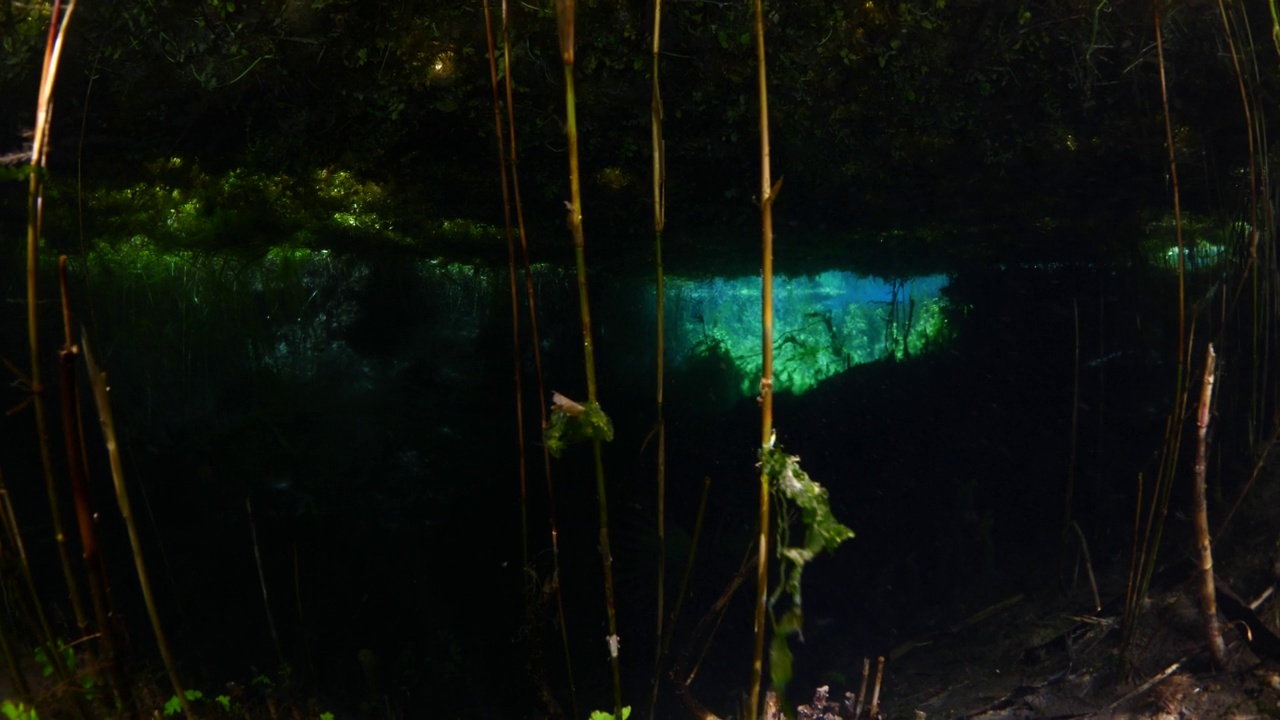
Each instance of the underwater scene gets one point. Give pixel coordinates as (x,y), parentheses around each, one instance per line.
(591,361)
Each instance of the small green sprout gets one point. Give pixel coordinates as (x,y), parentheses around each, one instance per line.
(46,665)
(17,711)
(173,705)
(602,715)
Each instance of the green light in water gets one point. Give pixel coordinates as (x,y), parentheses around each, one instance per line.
(823,324)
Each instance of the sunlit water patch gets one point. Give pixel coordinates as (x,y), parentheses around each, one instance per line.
(824,324)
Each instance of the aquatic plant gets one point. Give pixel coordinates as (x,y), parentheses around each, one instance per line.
(565,10)
(798,494)
(768,193)
(571,421)
(18,711)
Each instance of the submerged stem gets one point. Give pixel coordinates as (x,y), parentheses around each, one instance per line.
(767,189)
(565,24)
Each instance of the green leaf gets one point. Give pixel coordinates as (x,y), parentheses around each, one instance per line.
(17,711)
(795,492)
(571,423)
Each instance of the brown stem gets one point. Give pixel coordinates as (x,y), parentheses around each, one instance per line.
(1154,525)
(515,294)
(659,226)
(531,302)
(874,712)
(98,379)
(35,205)
(1208,601)
(78,472)
(767,192)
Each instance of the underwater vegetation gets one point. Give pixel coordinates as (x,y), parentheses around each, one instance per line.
(295,407)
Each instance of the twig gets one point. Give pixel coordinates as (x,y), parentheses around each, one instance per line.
(262,581)
(862,690)
(874,712)
(681,676)
(1088,567)
(98,379)
(1208,603)
(1138,691)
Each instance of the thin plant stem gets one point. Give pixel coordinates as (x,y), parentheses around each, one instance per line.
(513,150)
(1088,567)
(1177,205)
(35,209)
(1257,397)
(1153,528)
(659,227)
(59,19)
(262,582)
(1208,600)
(78,472)
(515,290)
(565,10)
(29,604)
(1069,494)
(98,379)
(20,686)
(37,620)
(768,190)
(683,589)
(505,151)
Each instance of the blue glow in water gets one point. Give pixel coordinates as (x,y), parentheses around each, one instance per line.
(838,289)
(823,324)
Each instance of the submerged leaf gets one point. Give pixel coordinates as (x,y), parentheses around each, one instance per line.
(822,531)
(572,422)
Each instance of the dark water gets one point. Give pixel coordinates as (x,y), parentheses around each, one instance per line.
(366,409)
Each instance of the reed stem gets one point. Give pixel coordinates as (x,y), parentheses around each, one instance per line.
(565,10)
(78,472)
(35,209)
(767,192)
(1152,530)
(659,226)
(98,379)
(532,305)
(1200,505)
(515,294)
